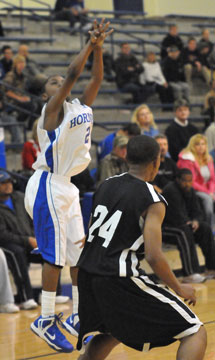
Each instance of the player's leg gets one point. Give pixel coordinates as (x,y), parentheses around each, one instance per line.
(75,238)
(50,229)
(193,347)
(99,347)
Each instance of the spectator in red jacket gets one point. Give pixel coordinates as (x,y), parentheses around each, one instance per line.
(196,158)
(30,150)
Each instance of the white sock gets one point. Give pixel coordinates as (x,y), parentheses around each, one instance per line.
(75,299)
(48,303)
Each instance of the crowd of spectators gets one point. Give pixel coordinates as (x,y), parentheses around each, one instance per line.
(186,174)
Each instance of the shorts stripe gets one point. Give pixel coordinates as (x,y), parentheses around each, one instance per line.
(166,296)
(43,223)
(55,221)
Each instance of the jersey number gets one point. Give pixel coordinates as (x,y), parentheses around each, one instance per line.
(87,135)
(106,229)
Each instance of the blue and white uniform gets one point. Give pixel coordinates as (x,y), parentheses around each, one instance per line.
(51,199)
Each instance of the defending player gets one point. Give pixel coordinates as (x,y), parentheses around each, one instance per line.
(64,133)
(122,302)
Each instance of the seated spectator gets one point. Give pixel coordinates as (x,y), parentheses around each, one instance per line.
(167,169)
(184,227)
(6,295)
(209,95)
(173,69)
(114,163)
(73,11)
(30,151)
(195,63)
(196,158)
(17,239)
(6,61)
(31,67)
(205,39)
(17,80)
(144,118)
(153,77)
(171,39)
(210,112)
(180,130)
(106,145)
(210,135)
(128,70)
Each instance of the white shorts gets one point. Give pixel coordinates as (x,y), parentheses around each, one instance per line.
(53,204)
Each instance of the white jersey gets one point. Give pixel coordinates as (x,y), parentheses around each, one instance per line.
(65,150)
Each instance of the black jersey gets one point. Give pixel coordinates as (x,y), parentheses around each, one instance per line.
(115,244)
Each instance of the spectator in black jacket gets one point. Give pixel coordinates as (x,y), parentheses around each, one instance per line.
(168,169)
(184,226)
(171,39)
(180,130)
(205,39)
(195,63)
(128,70)
(17,238)
(173,69)
(6,61)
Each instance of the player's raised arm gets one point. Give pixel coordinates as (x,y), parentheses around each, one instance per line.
(54,105)
(154,254)
(92,88)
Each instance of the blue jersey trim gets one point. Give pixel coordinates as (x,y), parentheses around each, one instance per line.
(49,150)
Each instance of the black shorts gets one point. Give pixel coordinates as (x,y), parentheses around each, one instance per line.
(135,311)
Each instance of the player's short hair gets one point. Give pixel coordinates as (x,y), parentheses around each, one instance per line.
(142,150)
(183,171)
(132,129)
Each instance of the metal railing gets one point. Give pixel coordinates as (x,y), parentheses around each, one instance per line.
(21,8)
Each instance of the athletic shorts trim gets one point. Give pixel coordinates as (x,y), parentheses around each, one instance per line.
(135,311)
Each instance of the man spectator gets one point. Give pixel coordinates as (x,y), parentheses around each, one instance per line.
(115,162)
(16,238)
(168,169)
(128,70)
(15,96)
(173,69)
(172,38)
(31,67)
(184,226)
(153,77)
(6,61)
(194,62)
(73,11)
(205,39)
(106,145)
(180,130)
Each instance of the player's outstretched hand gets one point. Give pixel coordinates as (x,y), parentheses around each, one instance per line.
(187,292)
(100,32)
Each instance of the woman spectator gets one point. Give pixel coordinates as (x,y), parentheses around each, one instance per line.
(196,158)
(144,118)
(30,151)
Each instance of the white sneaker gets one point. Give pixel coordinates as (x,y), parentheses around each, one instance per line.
(194,278)
(60,299)
(29,305)
(9,308)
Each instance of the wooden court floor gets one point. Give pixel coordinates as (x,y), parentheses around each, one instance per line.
(17,342)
